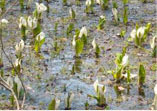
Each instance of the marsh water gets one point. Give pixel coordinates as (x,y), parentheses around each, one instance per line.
(54,74)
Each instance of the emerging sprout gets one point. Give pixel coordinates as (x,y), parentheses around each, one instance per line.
(21,4)
(54,104)
(68,100)
(103,4)
(115,14)
(64,2)
(142,75)
(102,21)
(70,28)
(23,26)
(83,35)
(2,4)
(78,44)
(89,6)
(39,41)
(40,8)
(72,13)
(153,46)
(29,3)
(100,93)
(96,48)
(19,48)
(125,15)
(139,35)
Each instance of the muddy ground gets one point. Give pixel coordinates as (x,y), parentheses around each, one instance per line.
(52,76)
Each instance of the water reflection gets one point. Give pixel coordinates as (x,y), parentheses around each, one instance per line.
(77,66)
(118,93)
(141,91)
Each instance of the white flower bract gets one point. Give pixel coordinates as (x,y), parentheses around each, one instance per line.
(83,31)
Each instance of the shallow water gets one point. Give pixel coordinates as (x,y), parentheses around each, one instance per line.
(53,76)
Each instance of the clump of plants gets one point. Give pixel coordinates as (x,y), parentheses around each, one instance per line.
(100,94)
(79,40)
(115,15)
(121,61)
(101,23)
(96,48)
(39,41)
(72,13)
(89,6)
(139,35)
(141,75)
(54,104)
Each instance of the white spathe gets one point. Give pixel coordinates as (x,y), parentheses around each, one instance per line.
(23,22)
(133,34)
(125,60)
(17,62)
(152,42)
(41,7)
(74,41)
(115,13)
(4,21)
(57,103)
(94,44)
(40,36)
(83,31)
(32,22)
(141,31)
(20,46)
(88,2)
(99,87)
(102,17)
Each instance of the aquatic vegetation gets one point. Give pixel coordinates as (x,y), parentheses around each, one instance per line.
(40,8)
(21,2)
(64,2)
(72,13)
(115,14)
(122,33)
(101,23)
(142,75)
(29,3)
(139,35)
(100,94)
(83,35)
(125,2)
(23,27)
(96,48)
(104,4)
(114,4)
(68,100)
(2,4)
(153,46)
(19,48)
(125,15)
(89,6)
(70,28)
(54,104)
(78,44)
(121,61)
(39,41)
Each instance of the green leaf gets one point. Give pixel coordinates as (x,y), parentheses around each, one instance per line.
(52,105)
(142,74)
(79,47)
